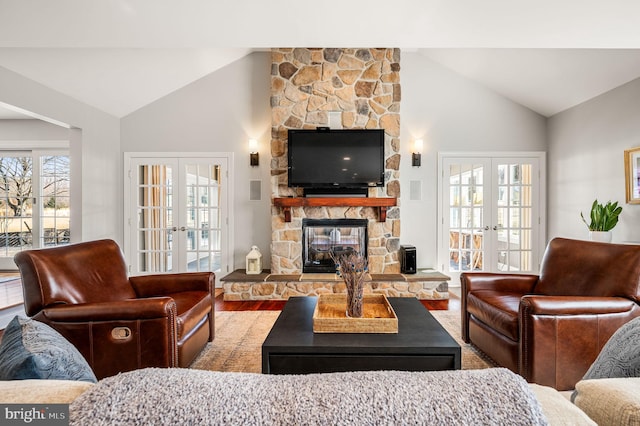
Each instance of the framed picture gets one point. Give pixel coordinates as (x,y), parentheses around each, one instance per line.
(632,175)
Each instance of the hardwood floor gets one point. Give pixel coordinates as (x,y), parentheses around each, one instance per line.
(276,305)
(249,305)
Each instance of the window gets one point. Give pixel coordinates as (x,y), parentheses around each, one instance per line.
(34,205)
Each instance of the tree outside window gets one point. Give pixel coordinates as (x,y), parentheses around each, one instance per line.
(19,192)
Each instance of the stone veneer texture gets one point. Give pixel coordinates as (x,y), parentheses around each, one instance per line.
(282,290)
(359,88)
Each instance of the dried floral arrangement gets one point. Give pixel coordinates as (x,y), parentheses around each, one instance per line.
(353,268)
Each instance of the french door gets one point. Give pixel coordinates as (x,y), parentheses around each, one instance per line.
(491,213)
(177,215)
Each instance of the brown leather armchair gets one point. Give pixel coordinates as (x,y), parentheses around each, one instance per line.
(550,328)
(118,323)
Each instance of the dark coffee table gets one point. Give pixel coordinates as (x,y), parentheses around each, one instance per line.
(421,343)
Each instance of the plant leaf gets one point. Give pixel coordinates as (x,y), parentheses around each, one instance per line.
(603,217)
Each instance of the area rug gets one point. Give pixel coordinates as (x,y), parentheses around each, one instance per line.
(239,335)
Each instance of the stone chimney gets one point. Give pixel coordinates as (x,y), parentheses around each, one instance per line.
(355,89)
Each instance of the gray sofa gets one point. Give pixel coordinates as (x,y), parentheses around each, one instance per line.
(186,396)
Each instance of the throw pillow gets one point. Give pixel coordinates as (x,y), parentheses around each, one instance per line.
(620,356)
(32,350)
(610,401)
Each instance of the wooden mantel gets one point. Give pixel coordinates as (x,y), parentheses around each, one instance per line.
(381,203)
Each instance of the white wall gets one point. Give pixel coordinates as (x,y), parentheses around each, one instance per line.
(451,113)
(218,113)
(31,130)
(95,156)
(221,111)
(586,161)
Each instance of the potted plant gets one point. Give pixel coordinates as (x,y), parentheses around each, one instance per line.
(603,219)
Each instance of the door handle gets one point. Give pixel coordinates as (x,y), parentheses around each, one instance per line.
(182,228)
(486,228)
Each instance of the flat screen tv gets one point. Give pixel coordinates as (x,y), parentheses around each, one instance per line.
(336,160)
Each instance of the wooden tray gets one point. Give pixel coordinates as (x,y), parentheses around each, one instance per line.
(330,315)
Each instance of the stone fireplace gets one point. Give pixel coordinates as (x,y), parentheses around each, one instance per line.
(337,88)
(324,239)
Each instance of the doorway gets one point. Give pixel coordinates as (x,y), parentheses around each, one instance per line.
(176,218)
(491,213)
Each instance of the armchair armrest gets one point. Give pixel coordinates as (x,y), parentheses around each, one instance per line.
(574,305)
(516,283)
(507,283)
(561,336)
(124,310)
(164,284)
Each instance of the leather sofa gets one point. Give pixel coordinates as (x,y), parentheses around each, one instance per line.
(550,327)
(118,323)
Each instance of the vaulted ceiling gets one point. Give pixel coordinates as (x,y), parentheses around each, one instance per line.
(121,55)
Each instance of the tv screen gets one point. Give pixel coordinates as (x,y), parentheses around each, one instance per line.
(341,159)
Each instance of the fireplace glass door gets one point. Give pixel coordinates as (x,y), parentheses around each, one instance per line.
(323,239)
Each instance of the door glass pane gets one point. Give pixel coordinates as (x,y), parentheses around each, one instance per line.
(154,218)
(525,239)
(214,218)
(515,175)
(502,217)
(454,220)
(514,218)
(477,218)
(478,199)
(54,200)
(502,174)
(465,217)
(514,196)
(203,217)
(16,210)
(466,204)
(514,243)
(454,240)
(525,260)
(454,195)
(502,196)
(466,195)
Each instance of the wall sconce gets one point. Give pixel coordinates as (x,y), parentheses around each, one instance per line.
(416,156)
(253,155)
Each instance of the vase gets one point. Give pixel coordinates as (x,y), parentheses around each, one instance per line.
(355,300)
(600,236)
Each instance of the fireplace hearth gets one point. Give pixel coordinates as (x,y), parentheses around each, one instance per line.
(322,239)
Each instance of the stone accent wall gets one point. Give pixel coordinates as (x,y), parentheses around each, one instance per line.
(357,88)
(282,290)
